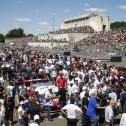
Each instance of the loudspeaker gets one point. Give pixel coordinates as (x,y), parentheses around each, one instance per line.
(67,53)
(116,59)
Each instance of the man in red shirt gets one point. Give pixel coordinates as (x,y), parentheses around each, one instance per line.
(61,81)
(61,84)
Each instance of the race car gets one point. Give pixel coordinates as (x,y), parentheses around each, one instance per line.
(42,87)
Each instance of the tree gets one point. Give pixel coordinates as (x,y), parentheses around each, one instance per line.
(15,33)
(30,35)
(2,38)
(117,24)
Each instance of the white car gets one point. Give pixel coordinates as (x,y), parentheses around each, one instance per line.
(42,87)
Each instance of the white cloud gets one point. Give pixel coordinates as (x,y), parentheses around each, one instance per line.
(122,7)
(67,11)
(98,10)
(23,20)
(86,4)
(43,23)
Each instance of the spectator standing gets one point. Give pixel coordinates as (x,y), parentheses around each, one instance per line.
(71,113)
(91,110)
(109,113)
(123,120)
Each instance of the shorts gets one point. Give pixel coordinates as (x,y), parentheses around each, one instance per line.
(9,116)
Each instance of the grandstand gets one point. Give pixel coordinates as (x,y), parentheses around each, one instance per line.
(77,28)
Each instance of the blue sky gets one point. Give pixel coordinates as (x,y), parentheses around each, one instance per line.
(39,16)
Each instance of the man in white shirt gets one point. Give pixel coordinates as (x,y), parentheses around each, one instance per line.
(123,120)
(72,113)
(109,113)
(113,95)
(75,87)
(49,99)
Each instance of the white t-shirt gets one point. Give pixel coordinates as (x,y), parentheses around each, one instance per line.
(10,90)
(48,102)
(123,120)
(108,113)
(75,88)
(1,116)
(33,124)
(1,80)
(113,96)
(53,73)
(82,94)
(20,109)
(72,110)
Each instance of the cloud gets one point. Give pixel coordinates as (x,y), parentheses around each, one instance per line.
(67,11)
(23,20)
(86,4)
(99,10)
(44,23)
(122,7)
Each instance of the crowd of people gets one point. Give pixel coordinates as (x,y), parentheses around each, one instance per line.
(80,29)
(88,90)
(112,37)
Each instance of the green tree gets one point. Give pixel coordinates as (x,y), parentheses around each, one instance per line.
(2,38)
(30,35)
(15,33)
(117,24)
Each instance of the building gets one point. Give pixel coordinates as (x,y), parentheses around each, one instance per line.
(97,22)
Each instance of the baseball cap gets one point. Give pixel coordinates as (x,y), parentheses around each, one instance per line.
(36,117)
(21,102)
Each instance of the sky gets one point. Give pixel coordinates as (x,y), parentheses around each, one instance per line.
(41,16)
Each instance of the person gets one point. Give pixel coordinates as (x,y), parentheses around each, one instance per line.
(123,119)
(123,100)
(61,81)
(9,105)
(109,113)
(84,118)
(49,97)
(1,115)
(34,108)
(21,113)
(36,121)
(73,112)
(91,110)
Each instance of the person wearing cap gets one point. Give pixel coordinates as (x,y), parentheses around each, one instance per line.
(36,121)
(49,99)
